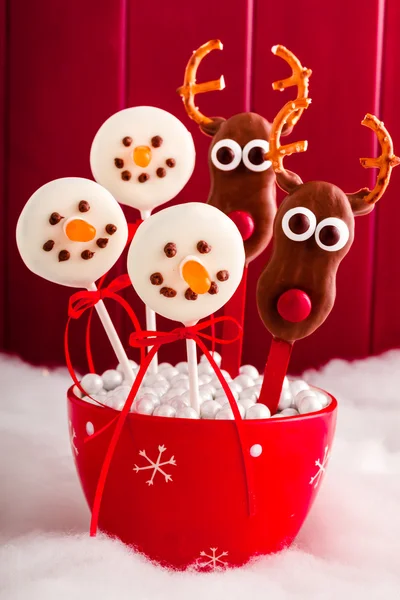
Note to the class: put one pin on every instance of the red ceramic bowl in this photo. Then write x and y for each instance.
(176, 489)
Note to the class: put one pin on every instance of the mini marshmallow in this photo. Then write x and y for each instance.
(152, 378)
(111, 379)
(164, 410)
(289, 412)
(249, 370)
(144, 406)
(179, 402)
(169, 373)
(221, 397)
(247, 402)
(245, 381)
(186, 412)
(163, 366)
(249, 394)
(205, 378)
(92, 383)
(286, 399)
(258, 411)
(182, 367)
(205, 368)
(309, 404)
(209, 409)
(298, 385)
(134, 366)
(216, 356)
(303, 394)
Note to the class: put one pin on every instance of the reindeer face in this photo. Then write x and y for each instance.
(143, 155)
(242, 180)
(313, 231)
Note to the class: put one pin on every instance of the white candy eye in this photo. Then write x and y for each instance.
(299, 224)
(253, 155)
(226, 155)
(332, 234)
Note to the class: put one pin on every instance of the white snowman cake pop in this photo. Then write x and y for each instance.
(72, 231)
(186, 262)
(144, 156)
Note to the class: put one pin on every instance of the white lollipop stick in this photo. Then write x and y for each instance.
(151, 323)
(113, 338)
(193, 375)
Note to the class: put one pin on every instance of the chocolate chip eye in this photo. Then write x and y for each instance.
(203, 247)
(254, 155)
(55, 218)
(332, 234)
(223, 275)
(84, 206)
(299, 224)
(226, 155)
(156, 141)
(127, 141)
(111, 229)
(170, 249)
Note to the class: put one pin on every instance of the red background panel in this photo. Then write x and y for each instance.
(66, 75)
(68, 66)
(3, 113)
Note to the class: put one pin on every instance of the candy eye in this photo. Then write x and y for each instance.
(332, 234)
(299, 224)
(253, 155)
(226, 155)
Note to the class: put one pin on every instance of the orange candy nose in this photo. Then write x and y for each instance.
(142, 156)
(196, 276)
(79, 230)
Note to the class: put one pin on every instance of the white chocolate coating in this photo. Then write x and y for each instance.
(34, 230)
(141, 124)
(185, 225)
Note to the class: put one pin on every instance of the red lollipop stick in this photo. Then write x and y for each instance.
(275, 373)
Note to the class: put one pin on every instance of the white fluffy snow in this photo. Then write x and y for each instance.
(348, 548)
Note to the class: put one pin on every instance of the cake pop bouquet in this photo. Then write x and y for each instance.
(190, 464)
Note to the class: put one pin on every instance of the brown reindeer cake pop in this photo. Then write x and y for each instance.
(313, 232)
(242, 180)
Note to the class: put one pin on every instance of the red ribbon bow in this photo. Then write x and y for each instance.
(155, 339)
(81, 301)
(84, 300)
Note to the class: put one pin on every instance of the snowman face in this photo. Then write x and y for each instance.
(186, 261)
(143, 155)
(71, 231)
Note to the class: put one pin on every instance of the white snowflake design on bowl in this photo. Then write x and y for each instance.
(321, 468)
(156, 466)
(212, 560)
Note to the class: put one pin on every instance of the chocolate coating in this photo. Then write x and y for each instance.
(242, 189)
(304, 265)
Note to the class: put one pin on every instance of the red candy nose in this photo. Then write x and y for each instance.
(244, 222)
(294, 306)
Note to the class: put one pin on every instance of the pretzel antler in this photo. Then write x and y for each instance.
(276, 152)
(300, 76)
(190, 88)
(364, 200)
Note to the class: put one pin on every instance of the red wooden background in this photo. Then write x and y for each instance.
(66, 66)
